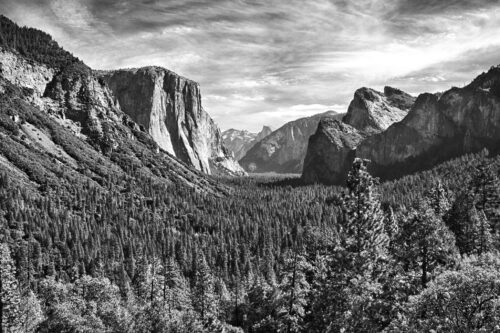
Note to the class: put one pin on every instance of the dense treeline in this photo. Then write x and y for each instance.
(34, 44)
(267, 258)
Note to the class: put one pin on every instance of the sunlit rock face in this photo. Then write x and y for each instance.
(239, 142)
(372, 111)
(169, 108)
(332, 148)
(23, 73)
(439, 127)
(283, 150)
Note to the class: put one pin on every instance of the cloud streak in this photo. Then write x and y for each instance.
(263, 62)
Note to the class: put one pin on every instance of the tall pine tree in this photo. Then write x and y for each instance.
(9, 293)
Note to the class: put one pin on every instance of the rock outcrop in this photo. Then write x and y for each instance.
(239, 142)
(372, 111)
(332, 148)
(169, 108)
(283, 150)
(439, 127)
(331, 151)
(24, 73)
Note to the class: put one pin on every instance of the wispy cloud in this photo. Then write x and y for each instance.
(270, 61)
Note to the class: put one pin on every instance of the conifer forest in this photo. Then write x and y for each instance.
(104, 230)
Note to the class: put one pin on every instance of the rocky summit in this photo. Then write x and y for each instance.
(372, 111)
(283, 150)
(331, 149)
(169, 108)
(239, 142)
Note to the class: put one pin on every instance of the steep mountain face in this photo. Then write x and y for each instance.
(60, 126)
(283, 150)
(265, 131)
(334, 144)
(169, 108)
(439, 127)
(239, 142)
(332, 148)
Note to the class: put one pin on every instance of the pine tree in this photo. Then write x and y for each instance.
(362, 226)
(425, 242)
(483, 242)
(9, 293)
(470, 226)
(485, 186)
(437, 199)
(459, 221)
(262, 306)
(175, 289)
(391, 228)
(31, 312)
(294, 289)
(344, 299)
(203, 296)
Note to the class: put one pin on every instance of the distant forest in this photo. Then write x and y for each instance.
(123, 251)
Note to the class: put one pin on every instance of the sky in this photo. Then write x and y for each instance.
(266, 62)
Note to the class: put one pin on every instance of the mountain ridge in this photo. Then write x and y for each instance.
(283, 150)
(239, 142)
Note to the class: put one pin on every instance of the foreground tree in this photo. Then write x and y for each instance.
(425, 243)
(294, 293)
(465, 300)
(348, 294)
(362, 227)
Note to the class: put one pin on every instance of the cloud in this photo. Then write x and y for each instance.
(261, 61)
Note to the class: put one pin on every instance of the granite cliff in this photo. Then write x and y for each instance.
(331, 149)
(372, 111)
(283, 150)
(439, 127)
(169, 108)
(239, 142)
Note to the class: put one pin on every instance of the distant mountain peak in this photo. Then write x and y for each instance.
(284, 149)
(241, 141)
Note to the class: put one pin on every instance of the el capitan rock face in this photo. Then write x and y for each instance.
(239, 142)
(334, 143)
(439, 127)
(332, 148)
(169, 108)
(283, 150)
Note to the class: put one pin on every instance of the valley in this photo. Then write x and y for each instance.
(124, 207)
